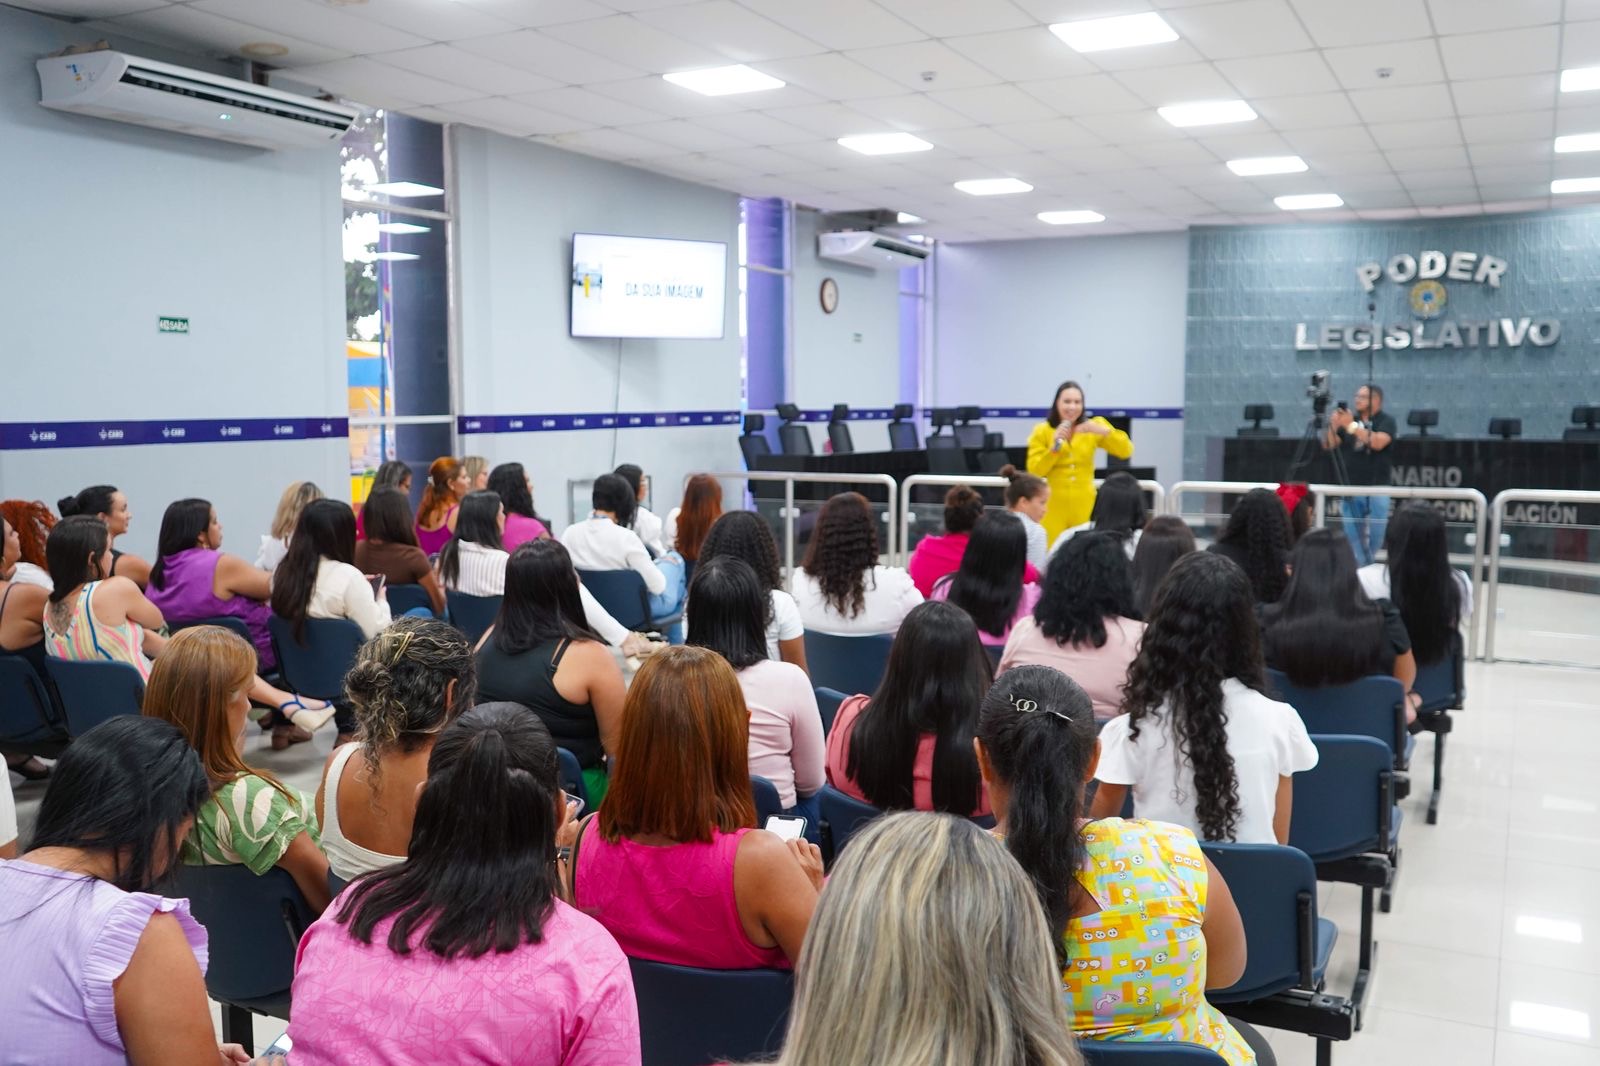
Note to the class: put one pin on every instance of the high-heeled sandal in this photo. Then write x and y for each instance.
(30, 768)
(285, 735)
(310, 718)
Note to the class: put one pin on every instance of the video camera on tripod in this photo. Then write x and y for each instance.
(1321, 391)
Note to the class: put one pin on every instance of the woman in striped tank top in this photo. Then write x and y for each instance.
(91, 615)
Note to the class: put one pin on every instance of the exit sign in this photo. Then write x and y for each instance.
(169, 324)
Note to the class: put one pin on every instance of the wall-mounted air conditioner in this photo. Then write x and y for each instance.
(868, 249)
(129, 89)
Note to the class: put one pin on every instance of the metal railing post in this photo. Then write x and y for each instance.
(788, 528)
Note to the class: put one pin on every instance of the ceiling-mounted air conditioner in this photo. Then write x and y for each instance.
(868, 249)
(126, 88)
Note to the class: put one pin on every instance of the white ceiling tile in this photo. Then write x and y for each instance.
(1574, 166)
(180, 25)
(1443, 157)
(1403, 135)
(827, 154)
(1092, 94)
(312, 21)
(1489, 96)
(1394, 214)
(1490, 55)
(1578, 119)
(1471, 16)
(1049, 11)
(1512, 190)
(952, 18)
(1540, 203)
(838, 24)
(1404, 103)
(701, 168)
(360, 77)
(1453, 178)
(90, 9)
(532, 50)
(1377, 204)
(1290, 74)
(1451, 210)
(1159, 86)
(509, 116)
(591, 107)
(1226, 146)
(735, 31)
(1410, 63)
(684, 136)
(1580, 44)
(610, 144)
(1313, 111)
(451, 64)
(975, 142)
(755, 160)
(677, 102)
(1022, 55)
(531, 14)
(994, 104)
(755, 128)
(908, 63)
(1337, 163)
(1439, 195)
(1244, 28)
(1134, 127)
(1051, 135)
(1526, 172)
(1333, 140)
(1170, 153)
(831, 76)
(1096, 160)
(1374, 182)
(914, 111)
(1504, 153)
(437, 22)
(828, 120)
(1347, 22)
(627, 40)
(1169, 54)
(1518, 126)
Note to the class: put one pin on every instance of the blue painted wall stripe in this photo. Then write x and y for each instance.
(546, 423)
(27, 436)
(883, 414)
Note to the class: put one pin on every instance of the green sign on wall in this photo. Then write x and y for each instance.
(169, 324)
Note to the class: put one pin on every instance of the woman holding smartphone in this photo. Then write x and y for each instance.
(1061, 450)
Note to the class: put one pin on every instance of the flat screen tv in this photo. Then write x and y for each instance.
(647, 287)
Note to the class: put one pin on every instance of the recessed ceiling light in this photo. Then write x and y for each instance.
(1561, 185)
(1310, 201)
(1580, 79)
(264, 50)
(396, 257)
(1207, 112)
(1578, 142)
(906, 218)
(1121, 31)
(919, 238)
(993, 186)
(1069, 218)
(225, 117)
(1267, 164)
(724, 81)
(1544, 1018)
(1568, 932)
(404, 190)
(401, 227)
(884, 143)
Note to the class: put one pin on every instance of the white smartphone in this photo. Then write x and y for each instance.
(786, 827)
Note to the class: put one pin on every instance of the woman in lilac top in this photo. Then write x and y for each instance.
(99, 971)
(464, 953)
(515, 489)
(991, 583)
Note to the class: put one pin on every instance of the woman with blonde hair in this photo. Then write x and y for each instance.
(201, 685)
(275, 544)
(441, 496)
(906, 933)
(477, 470)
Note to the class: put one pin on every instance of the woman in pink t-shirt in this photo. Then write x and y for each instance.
(990, 583)
(515, 489)
(939, 554)
(464, 953)
(909, 746)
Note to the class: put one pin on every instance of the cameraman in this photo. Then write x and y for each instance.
(1364, 438)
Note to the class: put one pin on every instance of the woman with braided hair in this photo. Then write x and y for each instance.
(841, 588)
(407, 684)
(1257, 537)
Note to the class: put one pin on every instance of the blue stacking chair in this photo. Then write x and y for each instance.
(1146, 1053)
(847, 664)
(92, 692)
(403, 598)
(1443, 687)
(571, 774)
(765, 793)
(1275, 888)
(254, 924)
(316, 666)
(828, 701)
(336, 884)
(1346, 820)
(473, 615)
(694, 1017)
(234, 625)
(842, 817)
(623, 594)
(1371, 707)
(29, 721)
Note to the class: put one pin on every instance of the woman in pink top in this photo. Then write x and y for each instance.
(940, 553)
(511, 483)
(464, 953)
(910, 745)
(990, 583)
(1083, 624)
(673, 865)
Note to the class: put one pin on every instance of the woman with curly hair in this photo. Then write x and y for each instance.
(841, 588)
(1257, 538)
(1201, 745)
(32, 523)
(745, 535)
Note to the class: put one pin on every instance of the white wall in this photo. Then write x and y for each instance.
(109, 226)
(1013, 319)
(519, 204)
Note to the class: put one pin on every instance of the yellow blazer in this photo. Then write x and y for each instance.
(1070, 471)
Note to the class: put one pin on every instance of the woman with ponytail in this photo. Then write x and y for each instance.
(447, 485)
(1120, 897)
(1200, 744)
(464, 952)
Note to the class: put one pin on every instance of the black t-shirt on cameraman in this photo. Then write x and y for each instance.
(1365, 466)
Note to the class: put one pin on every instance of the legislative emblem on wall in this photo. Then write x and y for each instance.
(1428, 299)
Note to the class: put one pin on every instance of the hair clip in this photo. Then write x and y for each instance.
(400, 648)
(1027, 706)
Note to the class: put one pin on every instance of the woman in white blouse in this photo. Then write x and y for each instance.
(473, 561)
(841, 588)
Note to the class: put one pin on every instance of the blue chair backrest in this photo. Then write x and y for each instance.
(828, 700)
(794, 439)
(92, 692)
(621, 593)
(27, 713)
(839, 438)
(336, 884)
(903, 437)
(753, 446)
(1442, 684)
(1146, 1053)
(693, 1017)
(473, 615)
(316, 668)
(229, 622)
(1371, 707)
(971, 434)
(847, 664)
(571, 774)
(843, 815)
(403, 598)
(1267, 882)
(254, 924)
(1341, 805)
(765, 794)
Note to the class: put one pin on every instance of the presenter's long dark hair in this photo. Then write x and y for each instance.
(988, 583)
(1324, 630)
(1421, 584)
(1054, 417)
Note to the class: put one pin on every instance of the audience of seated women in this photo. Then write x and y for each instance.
(786, 742)
(673, 865)
(1167, 538)
(100, 972)
(909, 745)
(989, 583)
(390, 548)
(541, 653)
(406, 685)
(512, 484)
(91, 616)
(441, 496)
(687, 524)
(605, 541)
(32, 523)
(1433, 598)
(1324, 630)
(646, 523)
(1256, 536)
(108, 504)
(1084, 623)
(275, 542)
(1028, 497)
(1114, 892)
(464, 952)
(745, 535)
(1119, 508)
(1201, 745)
(201, 684)
(928, 905)
(939, 554)
(391, 474)
(841, 588)
(473, 561)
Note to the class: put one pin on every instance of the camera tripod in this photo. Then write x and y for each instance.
(1311, 444)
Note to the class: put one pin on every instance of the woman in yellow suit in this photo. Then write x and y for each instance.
(1061, 450)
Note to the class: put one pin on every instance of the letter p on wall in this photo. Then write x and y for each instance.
(1368, 274)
